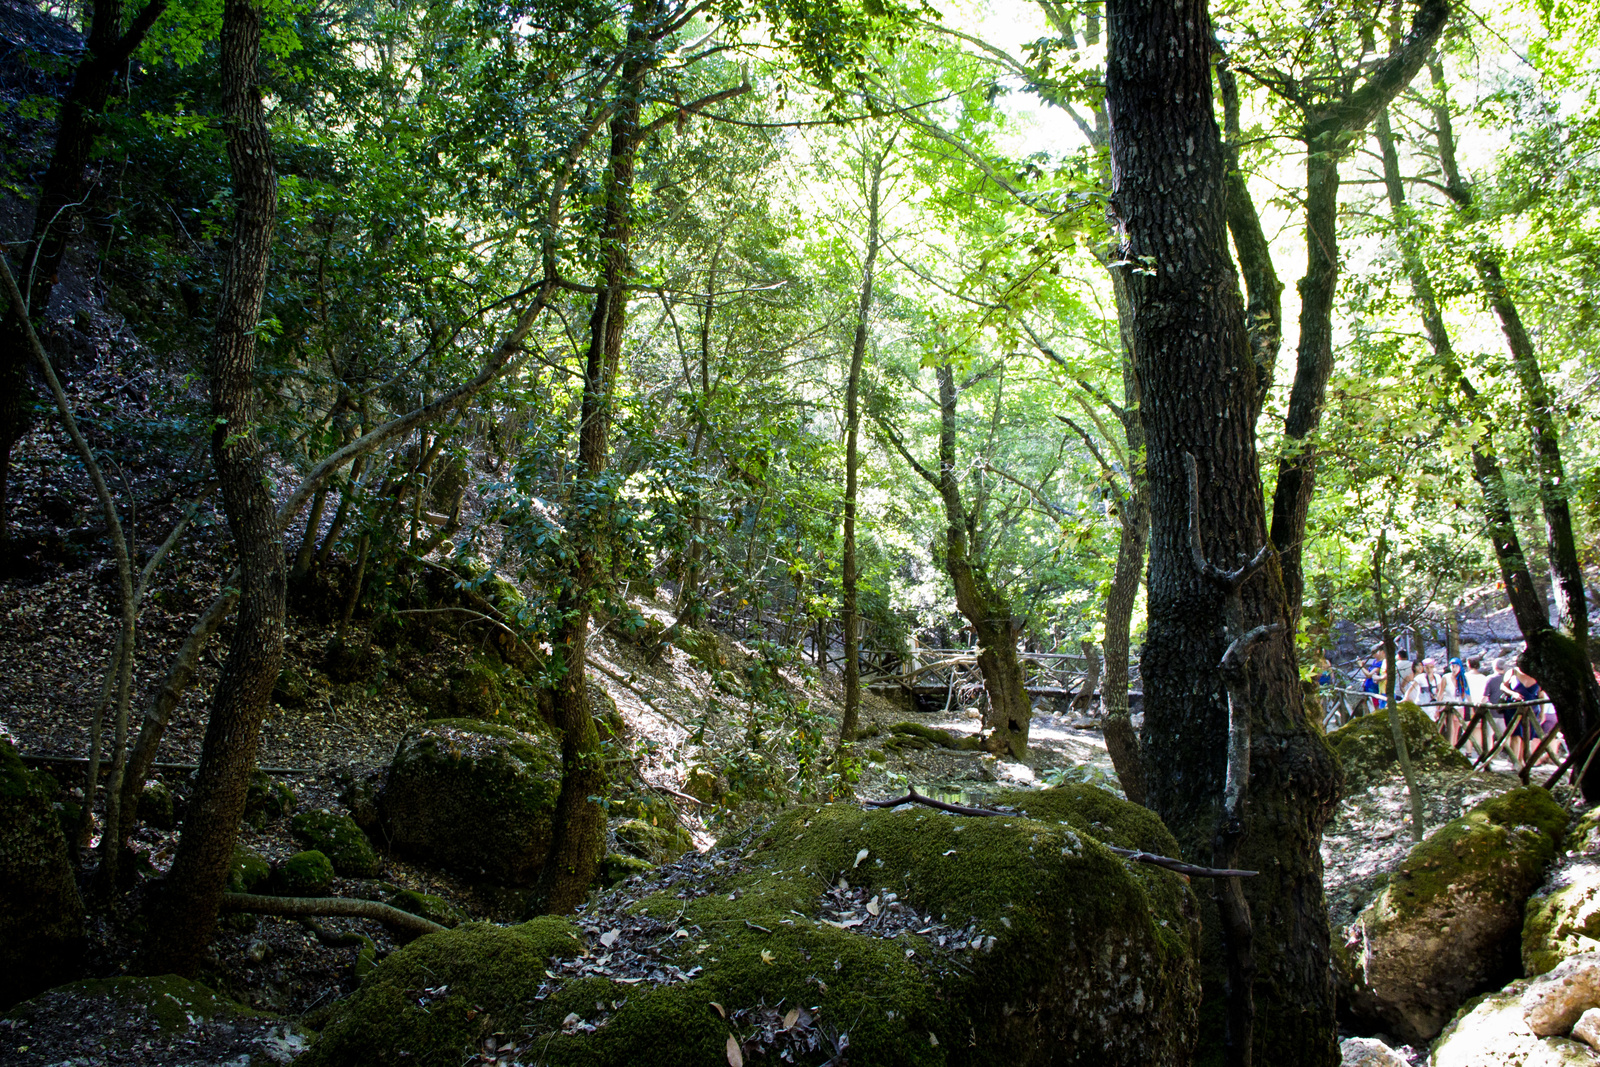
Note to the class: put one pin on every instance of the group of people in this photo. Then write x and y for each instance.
(1466, 683)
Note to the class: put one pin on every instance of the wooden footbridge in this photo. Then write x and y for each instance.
(950, 676)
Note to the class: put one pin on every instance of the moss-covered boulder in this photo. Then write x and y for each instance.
(904, 735)
(1447, 924)
(904, 937)
(1366, 747)
(158, 806)
(474, 797)
(618, 867)
(304, 874)
(266, 799)
(41, 915)
(1563, 918)
(340, 839)
(428, 906)
(656, 841)
(247, 871)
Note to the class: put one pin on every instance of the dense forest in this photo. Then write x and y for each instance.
(808, 531)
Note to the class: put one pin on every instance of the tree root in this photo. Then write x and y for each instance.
(300, 906)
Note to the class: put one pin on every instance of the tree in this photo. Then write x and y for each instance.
(193, 890)
(1199, 400)
(875, 163)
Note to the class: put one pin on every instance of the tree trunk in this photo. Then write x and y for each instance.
(580, 824)
(1091, 677)
(984, 606)
(192, 892)
(850, 614)
(1122, 743)
(1199, 387)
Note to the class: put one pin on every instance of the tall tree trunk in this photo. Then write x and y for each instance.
(192, 892)
(580, 825)
(850, 615)
(1199, 386)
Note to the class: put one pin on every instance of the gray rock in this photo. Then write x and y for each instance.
(1555, 1000)
(1369, 1052)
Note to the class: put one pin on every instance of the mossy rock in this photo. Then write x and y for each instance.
(905, 732)
(267, 799)
(340, 839)
(436, 909)
(1447, 924)
(618, 867)
(359, 791)
(291, 689)
(474, 797)
(41, 914)
(157, 806)
(434, 1000)
(304, 874)
(656, 842)
(1365, 747)
(247, 871)
(705, 785)
(1563, 918)
(875, 755)
(1084, 957)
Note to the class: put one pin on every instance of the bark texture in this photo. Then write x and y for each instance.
(192, 892)
(1199, 389)
(580, 825)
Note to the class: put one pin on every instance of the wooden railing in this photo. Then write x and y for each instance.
(1479, 731)
(954, 671)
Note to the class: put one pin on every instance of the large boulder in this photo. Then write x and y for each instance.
(1365, 746)
(901, 937)
(41, 914)
(474, 797)
(1563, 917)
(1447, 924)
(1556, 1000)
(1490, 1031)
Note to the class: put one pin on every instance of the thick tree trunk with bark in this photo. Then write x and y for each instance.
(1199, 388)
(192, 892)
(580, 824)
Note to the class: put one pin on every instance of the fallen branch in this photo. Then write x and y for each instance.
(1136, 855)
(345, 906)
